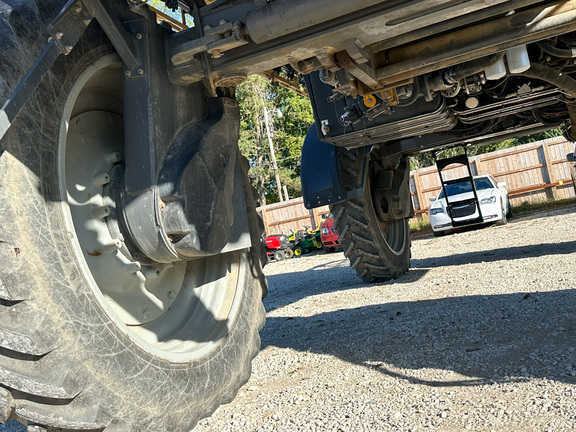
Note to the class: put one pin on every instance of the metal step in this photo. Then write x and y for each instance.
(459, 208)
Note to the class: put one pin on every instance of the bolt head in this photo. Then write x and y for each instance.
(59, 35)
(139, 36)
(140, 71)
(128, 73)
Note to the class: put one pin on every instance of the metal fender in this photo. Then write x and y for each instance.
(319, 172)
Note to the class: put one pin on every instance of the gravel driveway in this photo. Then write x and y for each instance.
(479, 335)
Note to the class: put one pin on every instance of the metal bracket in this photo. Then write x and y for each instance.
(76, 15)
(67, 28)
(124, 42)
(216, 40)
(363, 72)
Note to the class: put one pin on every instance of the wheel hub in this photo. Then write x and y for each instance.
(177, 310)
(97, 176)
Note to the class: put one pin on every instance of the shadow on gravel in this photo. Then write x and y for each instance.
(486, 339)
(336, 275)
(509, 253)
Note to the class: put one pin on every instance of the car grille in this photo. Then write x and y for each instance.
(463, 210)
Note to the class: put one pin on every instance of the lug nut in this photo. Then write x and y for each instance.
(113, 247)
(150, 273)
(102, 179)
(101, 212)
(113, 157)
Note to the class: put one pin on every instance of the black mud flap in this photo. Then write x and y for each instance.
(320, 175)
(460, 207)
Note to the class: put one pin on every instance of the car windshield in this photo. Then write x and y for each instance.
(465, 186)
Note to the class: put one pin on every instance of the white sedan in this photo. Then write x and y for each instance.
(493, 198)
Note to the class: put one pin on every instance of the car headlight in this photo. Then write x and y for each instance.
(325, 231)
(434, 211)
(490, 200)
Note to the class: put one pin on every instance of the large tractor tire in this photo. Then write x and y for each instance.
(377, 250)
(89, 339)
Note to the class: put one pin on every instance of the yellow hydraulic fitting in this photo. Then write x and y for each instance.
(369, 101)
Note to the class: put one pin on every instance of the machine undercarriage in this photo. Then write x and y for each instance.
(130, 298)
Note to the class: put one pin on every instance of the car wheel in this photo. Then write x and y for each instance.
(509, 212)
(504, 219)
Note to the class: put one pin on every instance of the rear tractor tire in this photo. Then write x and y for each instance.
(90, 338)
(377, 250)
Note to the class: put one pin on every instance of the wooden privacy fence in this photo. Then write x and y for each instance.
(532, 172)
(289, 216)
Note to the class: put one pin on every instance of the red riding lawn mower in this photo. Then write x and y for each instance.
(278, 248)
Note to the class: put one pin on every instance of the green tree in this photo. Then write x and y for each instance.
(287, 129)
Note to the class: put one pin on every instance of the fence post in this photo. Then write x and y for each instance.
(314, 218)
(550, 192)
(419, 194)
(265, 220)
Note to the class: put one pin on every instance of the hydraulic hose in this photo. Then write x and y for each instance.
(563, 82)
(461, 71)
(555, 51)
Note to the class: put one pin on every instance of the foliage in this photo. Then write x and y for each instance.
(176, 14)
(529, 207)
(419, 224)
(290, 116)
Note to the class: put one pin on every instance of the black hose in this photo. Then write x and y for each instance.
(564, 82)
(415, 95)
(555, 51)
(545, 73)
(464, 70)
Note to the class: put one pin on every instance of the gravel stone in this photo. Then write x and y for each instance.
(478, 335)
